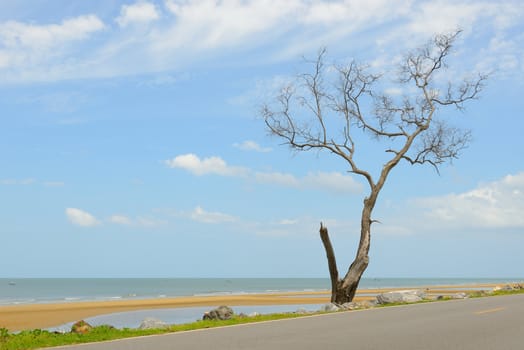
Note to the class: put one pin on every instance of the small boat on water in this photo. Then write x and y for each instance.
(11, 283)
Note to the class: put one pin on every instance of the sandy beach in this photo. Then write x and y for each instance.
(32, 316)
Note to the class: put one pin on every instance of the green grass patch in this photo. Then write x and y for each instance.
(35, 339)
(508, 292)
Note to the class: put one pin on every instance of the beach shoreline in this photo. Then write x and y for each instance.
(40, 316)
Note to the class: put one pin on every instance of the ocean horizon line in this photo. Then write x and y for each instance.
(16, 291)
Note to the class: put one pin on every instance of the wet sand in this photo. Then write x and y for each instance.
(32, 316)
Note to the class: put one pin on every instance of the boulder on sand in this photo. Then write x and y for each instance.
(81, 327)
(459, 296)
(152, 323)
(401, 296)
(220, 313)
(331, 307)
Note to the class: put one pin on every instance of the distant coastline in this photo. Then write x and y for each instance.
(21, 291)
(127, 312)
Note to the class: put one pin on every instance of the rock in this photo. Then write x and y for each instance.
(152, 323)
(351, 306)
(459, 296)
(331, 307)
(506, 288)
(81, 327)
(220, 313)
(401, 296)
(479, 293)
(301, 311)
(366, 304)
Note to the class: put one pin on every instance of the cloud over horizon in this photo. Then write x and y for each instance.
(249, 145)
(207, 217)
(334, 182)
(497, 204)
(140, 12)
(209, 165)
(80, 217)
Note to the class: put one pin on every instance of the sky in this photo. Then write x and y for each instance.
(131, 141)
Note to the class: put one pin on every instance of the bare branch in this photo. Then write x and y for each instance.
(323, 108)
(469, 89)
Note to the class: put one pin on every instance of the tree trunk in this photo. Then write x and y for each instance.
(344, 290)
(332, 264)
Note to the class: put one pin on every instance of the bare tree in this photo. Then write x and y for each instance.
(333, 106)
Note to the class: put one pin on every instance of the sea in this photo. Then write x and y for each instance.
(15, 291)
(19, 291)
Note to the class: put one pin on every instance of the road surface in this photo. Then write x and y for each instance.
(471, 324)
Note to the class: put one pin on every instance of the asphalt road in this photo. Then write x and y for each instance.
(476, 324)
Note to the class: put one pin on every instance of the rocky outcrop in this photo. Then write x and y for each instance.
(401, 296)
(506, 288)
(81, 327)
(509, 287)
(459, 296)
(152, 323)
(302, 311)
(220, 313)
(331, 307)
(365, 304)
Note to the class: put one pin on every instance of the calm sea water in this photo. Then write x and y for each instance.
(51, 290)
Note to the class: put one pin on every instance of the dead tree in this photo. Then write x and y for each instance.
(332, 107)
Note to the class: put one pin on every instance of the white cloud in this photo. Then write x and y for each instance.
(182, 33)
(10, 182)
(141, 12)
(208, 24)
(498, 204)
(200, 215)
(41, 52)
(139, 221)
(120, 220)
(437, 16)
(332, 181)
(287, 222)
(504, 55)
(394, 91)
(29, 181)
(210, 165)
(252, 146)
(80, 217)
(14, 35)
(356, 12)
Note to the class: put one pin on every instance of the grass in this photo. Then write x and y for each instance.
(36, 339)
(497, 293)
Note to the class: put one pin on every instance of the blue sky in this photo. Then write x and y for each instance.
(131, 145)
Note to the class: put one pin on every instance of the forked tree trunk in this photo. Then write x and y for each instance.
(344, 290)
